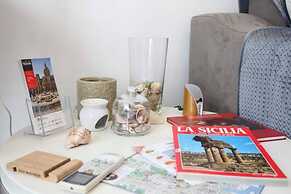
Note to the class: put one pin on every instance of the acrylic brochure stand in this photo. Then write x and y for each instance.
(49, 116)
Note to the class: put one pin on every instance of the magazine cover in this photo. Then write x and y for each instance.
(44, 97)
(261, 132)
(226, 153)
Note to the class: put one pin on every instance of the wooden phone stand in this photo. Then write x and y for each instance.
(47, 166)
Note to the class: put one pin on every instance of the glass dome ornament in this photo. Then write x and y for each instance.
(131, 112)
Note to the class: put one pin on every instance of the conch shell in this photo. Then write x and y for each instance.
(77, 137)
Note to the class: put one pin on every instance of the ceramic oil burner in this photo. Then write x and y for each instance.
(94, 114)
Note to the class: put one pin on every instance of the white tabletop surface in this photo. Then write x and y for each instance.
(105, 141)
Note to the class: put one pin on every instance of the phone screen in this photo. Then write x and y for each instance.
(79, 178)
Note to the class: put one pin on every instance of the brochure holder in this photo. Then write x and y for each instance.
(49, 116)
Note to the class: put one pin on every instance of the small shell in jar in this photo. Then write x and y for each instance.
(140, 88)
(141, 114)
(155, 88)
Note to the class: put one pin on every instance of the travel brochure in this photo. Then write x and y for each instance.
(223, 153)
(142, 176)
(46, 112)
(261, 132)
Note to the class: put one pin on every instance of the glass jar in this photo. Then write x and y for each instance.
(130, 114)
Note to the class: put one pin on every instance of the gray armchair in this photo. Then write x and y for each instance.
(264, 79)
(215, 51)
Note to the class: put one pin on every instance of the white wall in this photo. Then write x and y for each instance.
(89, 37)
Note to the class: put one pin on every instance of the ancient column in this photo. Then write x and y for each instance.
(223, 155)
(216, 155)
(237, 156)
(209, 154)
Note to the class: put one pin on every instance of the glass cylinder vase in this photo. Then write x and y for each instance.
(147, 58)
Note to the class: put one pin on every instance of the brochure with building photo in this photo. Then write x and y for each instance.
(45, 104)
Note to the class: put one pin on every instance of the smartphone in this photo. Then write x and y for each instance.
(92, 173)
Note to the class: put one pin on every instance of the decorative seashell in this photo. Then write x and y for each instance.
(77, 137)
(141, 114)
(139, 106)
(131, 130)
(133, 125)
(155, 88)
(145, 92)
(140, 88)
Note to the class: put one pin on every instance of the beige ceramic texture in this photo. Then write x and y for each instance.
(97, 87)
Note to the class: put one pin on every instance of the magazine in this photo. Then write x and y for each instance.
(261, 132)
(223, 153)
(141, 176)
(45, 105)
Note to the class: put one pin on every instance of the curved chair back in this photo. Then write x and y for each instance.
(5, 123)
(265, 78)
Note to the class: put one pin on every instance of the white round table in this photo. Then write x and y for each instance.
(105, 141)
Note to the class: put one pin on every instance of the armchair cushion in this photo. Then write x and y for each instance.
(215, 47)
(265, 81)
